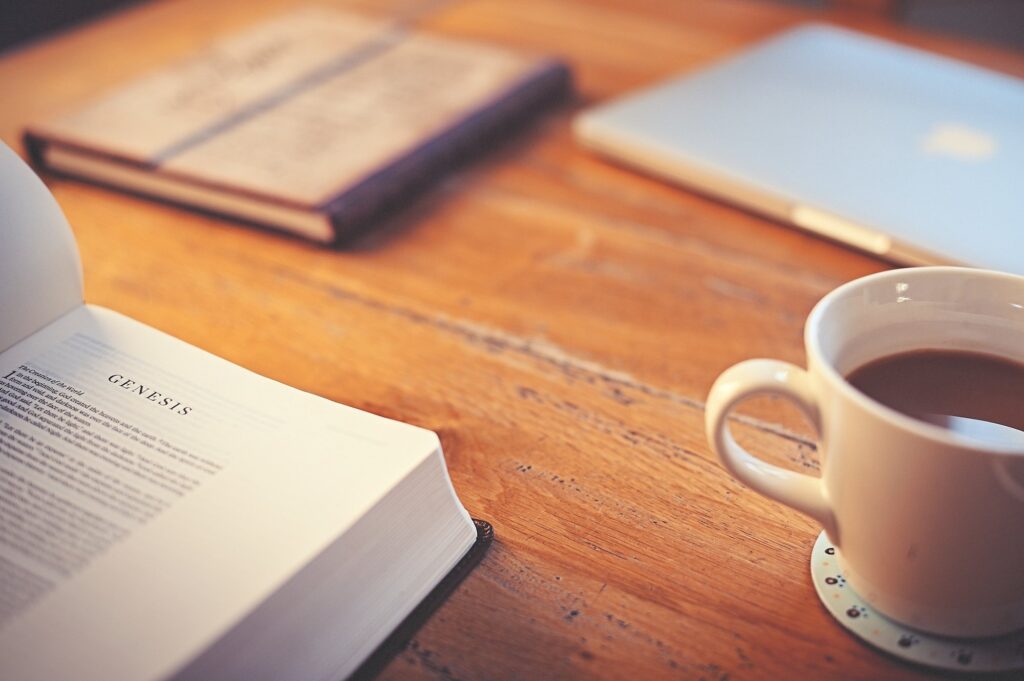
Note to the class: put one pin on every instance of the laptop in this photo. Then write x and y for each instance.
(904, 154)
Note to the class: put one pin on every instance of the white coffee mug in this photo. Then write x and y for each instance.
(929, 523)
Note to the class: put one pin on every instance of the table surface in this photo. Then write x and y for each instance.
(557, 320)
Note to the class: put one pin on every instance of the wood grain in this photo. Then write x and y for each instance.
(558, 320)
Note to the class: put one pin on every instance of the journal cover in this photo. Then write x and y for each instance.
(314, 122)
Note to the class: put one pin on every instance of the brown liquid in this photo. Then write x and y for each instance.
(981, 396)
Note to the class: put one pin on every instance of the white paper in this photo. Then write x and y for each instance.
(255, 460)
(40, 273)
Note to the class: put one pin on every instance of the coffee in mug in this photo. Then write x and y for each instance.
(971, 393)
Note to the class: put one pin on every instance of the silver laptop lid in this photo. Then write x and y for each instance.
(891, 149)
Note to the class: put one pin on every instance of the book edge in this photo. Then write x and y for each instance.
(358, 202)
(398, 639)
(404, 178)
(39, 147)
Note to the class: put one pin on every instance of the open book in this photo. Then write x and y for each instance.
(314, 122)
(165, 514)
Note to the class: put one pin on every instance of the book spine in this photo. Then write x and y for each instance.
(34, 145)
(395, 186)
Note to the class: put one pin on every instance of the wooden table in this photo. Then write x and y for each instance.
(558, 320)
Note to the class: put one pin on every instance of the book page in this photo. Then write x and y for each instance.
(40, 273)
(153, 494)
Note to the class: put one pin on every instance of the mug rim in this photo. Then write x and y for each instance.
(892, 416)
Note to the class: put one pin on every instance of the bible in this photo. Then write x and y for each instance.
(315, 122)
(165, 514)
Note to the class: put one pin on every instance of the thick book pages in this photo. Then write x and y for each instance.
(169, 515)
(402, 634)
(313, 122)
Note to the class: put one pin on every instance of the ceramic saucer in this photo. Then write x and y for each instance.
(856, 615)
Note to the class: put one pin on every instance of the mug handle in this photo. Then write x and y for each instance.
(805, 493)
